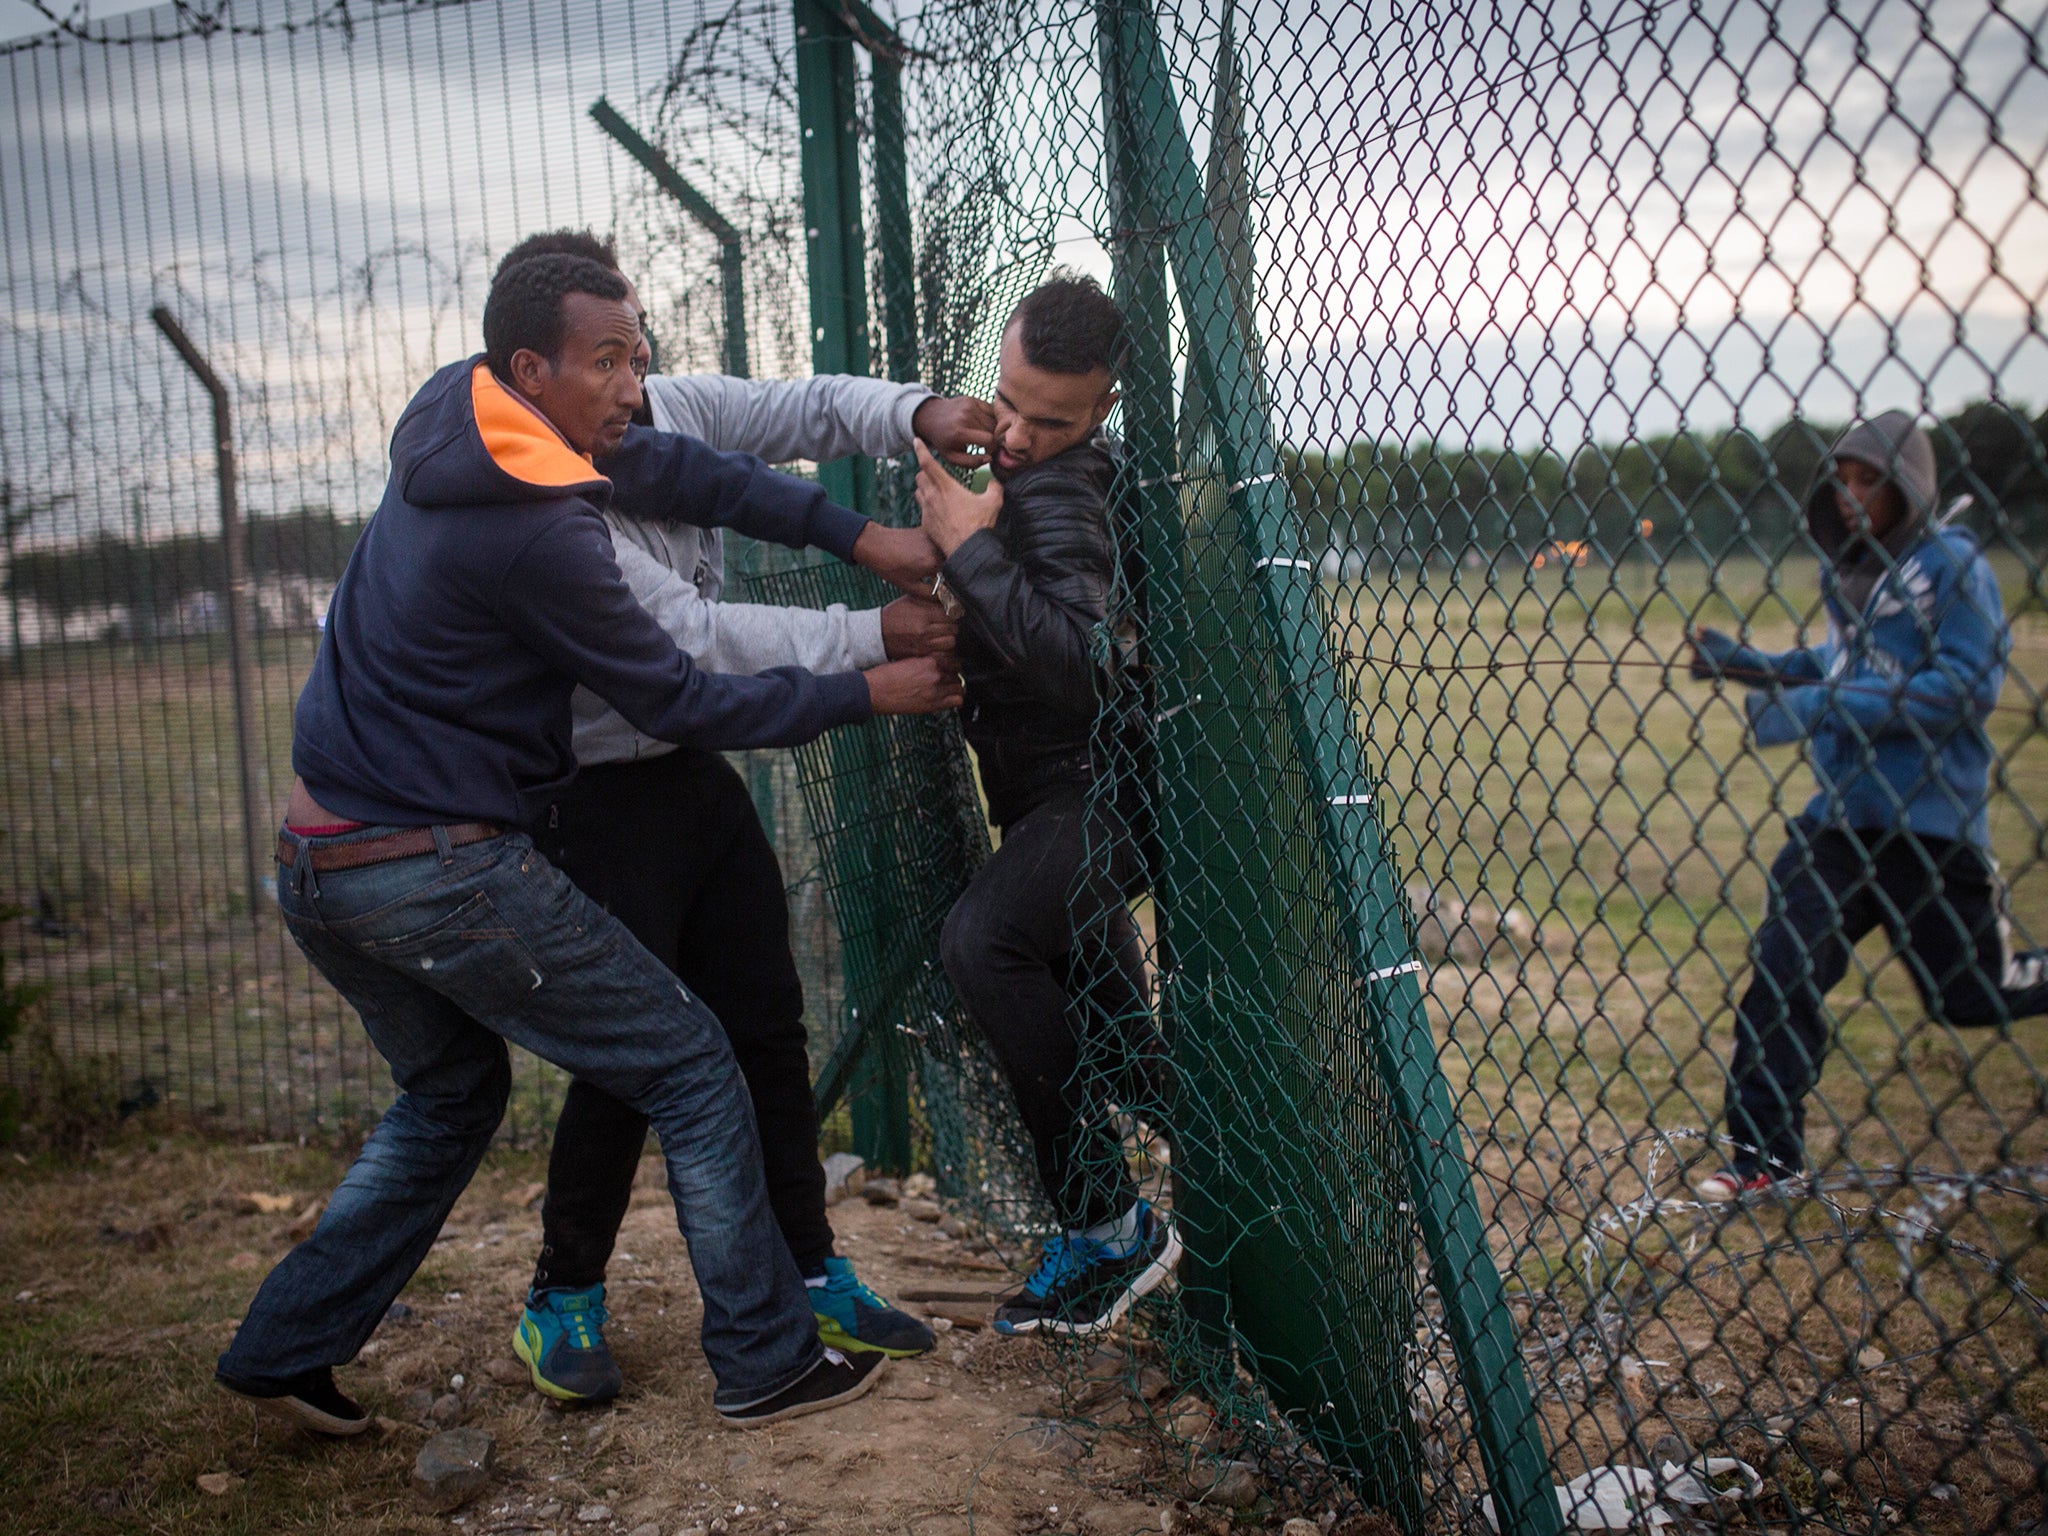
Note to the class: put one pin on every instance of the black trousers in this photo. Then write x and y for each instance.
(672, 847)
(1942, 904)
(1050, 963)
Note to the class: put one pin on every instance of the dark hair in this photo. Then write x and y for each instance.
(525, 306)
(561, 242)
(1069, 325)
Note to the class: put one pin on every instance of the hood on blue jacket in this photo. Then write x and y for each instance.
(1893, 446)
(466, 440)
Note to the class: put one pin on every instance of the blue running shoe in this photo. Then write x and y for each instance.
(852, 1318)
(1082, 1286)
(561, 1339)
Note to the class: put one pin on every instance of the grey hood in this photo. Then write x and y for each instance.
(1898, 450)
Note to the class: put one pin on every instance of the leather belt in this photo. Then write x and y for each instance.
(409, 844)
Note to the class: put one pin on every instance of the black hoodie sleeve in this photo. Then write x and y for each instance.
(671, 478)
(563, 596)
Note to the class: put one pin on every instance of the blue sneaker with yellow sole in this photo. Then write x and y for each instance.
(1083, 1286)
(561, 1339)
(853, 1319)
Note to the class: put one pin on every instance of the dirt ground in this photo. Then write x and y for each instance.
(129, 1268)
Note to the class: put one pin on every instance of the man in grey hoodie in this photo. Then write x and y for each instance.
(1892, 709)
(669, 842)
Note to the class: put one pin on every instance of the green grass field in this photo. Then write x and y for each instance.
(1621, 807)
(1535, 755)
(1561, 770)
(1616, 804)
(120, 804)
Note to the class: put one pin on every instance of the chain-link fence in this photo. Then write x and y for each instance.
(1481, 356)
(316, 196)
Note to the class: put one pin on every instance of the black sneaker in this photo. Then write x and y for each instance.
(1080, 1287)
(833, 1380)
(309, 1400)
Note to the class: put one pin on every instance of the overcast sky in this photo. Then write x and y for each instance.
(1588, 217)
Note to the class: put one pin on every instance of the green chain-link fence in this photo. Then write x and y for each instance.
(1480, 355)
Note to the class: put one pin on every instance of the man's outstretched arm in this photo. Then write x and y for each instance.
(1954, 689)
(750, 637)
(1720, 657)
(668, 477)
(820, 418)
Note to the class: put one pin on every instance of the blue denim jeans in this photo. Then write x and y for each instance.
(447, 957)
(1943, 906)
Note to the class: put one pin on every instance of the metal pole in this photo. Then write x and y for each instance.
(892, 219)
(731, 250)
(731, 280)
(834, 239)
(9, 522)
(1353, 845)
(836, 249)
(237, 598)
(146, 622)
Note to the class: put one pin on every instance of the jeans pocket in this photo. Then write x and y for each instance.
(470, 955)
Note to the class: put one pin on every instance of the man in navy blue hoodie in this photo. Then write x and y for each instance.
(435, 718)
(1892, 709)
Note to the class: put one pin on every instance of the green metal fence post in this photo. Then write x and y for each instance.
(893, 241)
(836, 247)
(892, 220)
(835, 244)
(1242, 1024)
(1476, 1315)
(1138, 281)
(731, 250)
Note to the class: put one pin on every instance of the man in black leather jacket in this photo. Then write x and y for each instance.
(1041, 947)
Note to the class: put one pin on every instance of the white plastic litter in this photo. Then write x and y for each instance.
(1693, 1484)
(1625, 1498)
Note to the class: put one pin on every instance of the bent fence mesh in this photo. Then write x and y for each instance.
(1480, 354)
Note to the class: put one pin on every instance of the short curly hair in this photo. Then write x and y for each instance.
(562, 242)
(1069, 325)
(524, 309)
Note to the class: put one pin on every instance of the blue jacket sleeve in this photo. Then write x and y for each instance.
(563, 597)
(1954, 686)
(1717, 655)
(1801, 664)
(1777, 718)
(670, 478)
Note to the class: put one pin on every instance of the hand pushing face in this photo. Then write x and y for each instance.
(590, 391)
(1040, 413)
(958, 429)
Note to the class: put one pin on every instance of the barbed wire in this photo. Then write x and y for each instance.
(201, 21)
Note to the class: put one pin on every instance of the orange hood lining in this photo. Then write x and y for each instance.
(520, 440)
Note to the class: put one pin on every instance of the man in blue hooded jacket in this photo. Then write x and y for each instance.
(437, 717)
(1892, 709)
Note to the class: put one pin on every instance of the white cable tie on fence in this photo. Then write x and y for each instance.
(1394, 970)
(1265, 560)
(1364, 799)
(1252, 480)
(1176, 478)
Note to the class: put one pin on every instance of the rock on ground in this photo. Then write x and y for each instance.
(453, 1467)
